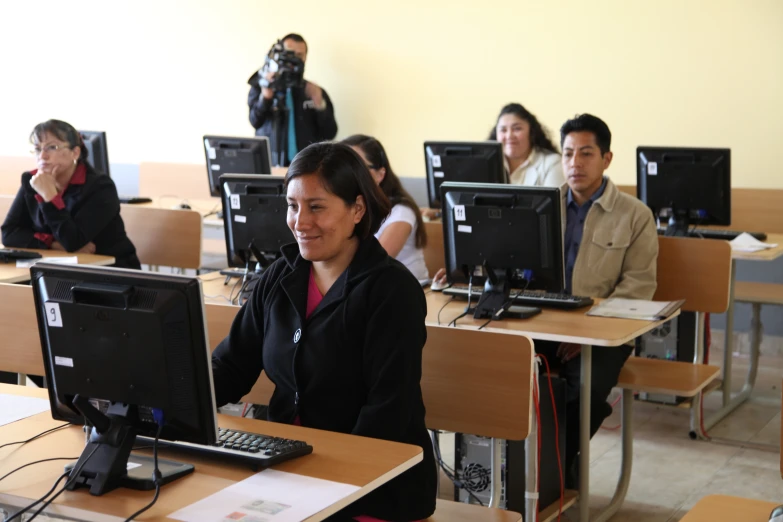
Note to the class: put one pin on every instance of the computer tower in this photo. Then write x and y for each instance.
(472, 458)
(674, 340)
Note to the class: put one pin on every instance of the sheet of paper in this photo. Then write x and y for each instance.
(15, 407)
(268, 496)
(629, 308)
(747, 243)
(64, 260)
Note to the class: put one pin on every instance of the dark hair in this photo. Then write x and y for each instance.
(62, 131)
(391, 186)
(345, 175)
(539, 137)
(295, 37)
(588, 123)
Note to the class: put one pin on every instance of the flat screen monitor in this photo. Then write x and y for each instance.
(228, 155)
(686, 186)
(254, 218)
(97, 150)
(503, 236)
(126, 352)
(461, 161)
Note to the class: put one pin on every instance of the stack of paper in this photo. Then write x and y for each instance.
(636, 309)
(17, 407)
(747, 243)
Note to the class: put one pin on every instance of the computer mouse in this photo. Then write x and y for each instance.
(776, 515)
(182, 206)
(439, 287)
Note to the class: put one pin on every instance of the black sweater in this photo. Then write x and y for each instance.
(353, 367)
(87, 211)
(311, 125)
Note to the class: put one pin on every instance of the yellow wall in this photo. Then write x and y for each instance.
(158, 75)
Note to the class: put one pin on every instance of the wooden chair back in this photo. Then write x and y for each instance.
(5, 206)
(434, 256)
(165, 237)
(11, 169)
(697, 270)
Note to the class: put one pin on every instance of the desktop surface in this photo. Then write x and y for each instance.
(10, 274)
(722, 508)
(570, 326)
(348, 459)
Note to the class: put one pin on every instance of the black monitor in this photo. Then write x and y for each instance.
(97, 150)
(685, 185)
(462, 161)
(227, 155)
(254, 218)
(123, 351)
(504, 237)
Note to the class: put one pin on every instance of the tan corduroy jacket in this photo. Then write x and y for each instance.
(618, 255)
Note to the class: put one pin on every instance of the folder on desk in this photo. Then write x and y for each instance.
(636, 309)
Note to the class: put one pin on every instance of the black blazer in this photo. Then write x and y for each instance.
(90, 212)
(353, 367)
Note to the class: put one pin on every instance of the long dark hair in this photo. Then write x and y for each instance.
(62, 131)
(391, 186)
(539, 138)
(345, 175)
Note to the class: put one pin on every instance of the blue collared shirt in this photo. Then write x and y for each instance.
(575, 224)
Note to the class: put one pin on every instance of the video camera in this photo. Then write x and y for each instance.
(288, 67)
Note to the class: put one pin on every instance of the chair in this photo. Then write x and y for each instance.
(164, 237)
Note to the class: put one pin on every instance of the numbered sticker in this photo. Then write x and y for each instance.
(234, 201)
(53, 317)
(652, 168)
(240, 219)
(436, 161)
(438, 174)
(459, 213)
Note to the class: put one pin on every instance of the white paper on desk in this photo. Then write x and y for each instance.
(15, 407)
(635, 309)
(64, 260)
(747, 243)
(268, 496)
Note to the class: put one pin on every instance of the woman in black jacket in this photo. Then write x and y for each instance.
(338, 326)
(65, 204)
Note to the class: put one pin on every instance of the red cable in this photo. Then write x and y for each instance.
(244, 409)
(557, 436)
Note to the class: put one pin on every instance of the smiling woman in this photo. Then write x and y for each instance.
(65, 204)
(338, 327)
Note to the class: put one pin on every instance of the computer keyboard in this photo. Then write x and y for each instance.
(526, 297)
(260, 450)
(9, 254)
(134, 200)
(716, 233)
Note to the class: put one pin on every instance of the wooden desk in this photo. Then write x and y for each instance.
(566, 327)
(10, 274)
(360, 461)
(721, 508)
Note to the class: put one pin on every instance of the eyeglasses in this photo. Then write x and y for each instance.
(37, 151)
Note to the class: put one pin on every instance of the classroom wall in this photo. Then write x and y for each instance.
(158, 75)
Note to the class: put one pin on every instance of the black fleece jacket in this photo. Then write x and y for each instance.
(88, 210)
(353, 367)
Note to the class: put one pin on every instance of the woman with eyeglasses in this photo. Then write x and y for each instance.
(65, 204)
(402, 233)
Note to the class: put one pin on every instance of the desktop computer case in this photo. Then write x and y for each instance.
(672, 341)
(472, 454)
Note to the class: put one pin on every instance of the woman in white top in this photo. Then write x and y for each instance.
(530, 157)
(402, 234)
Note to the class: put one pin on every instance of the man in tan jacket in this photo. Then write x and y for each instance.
(610, 250)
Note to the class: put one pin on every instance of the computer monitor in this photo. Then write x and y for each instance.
(254, 218)
(125, 350)
(97, 150)
(504, 237)
(462, 161)
(227, 155)
(685, 185)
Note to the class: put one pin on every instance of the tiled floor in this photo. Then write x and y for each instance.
(671, 472)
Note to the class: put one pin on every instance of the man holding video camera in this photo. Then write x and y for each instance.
(290, 111)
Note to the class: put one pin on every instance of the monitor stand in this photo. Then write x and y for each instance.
(106, 462)
(495, 302)
(679, 222)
